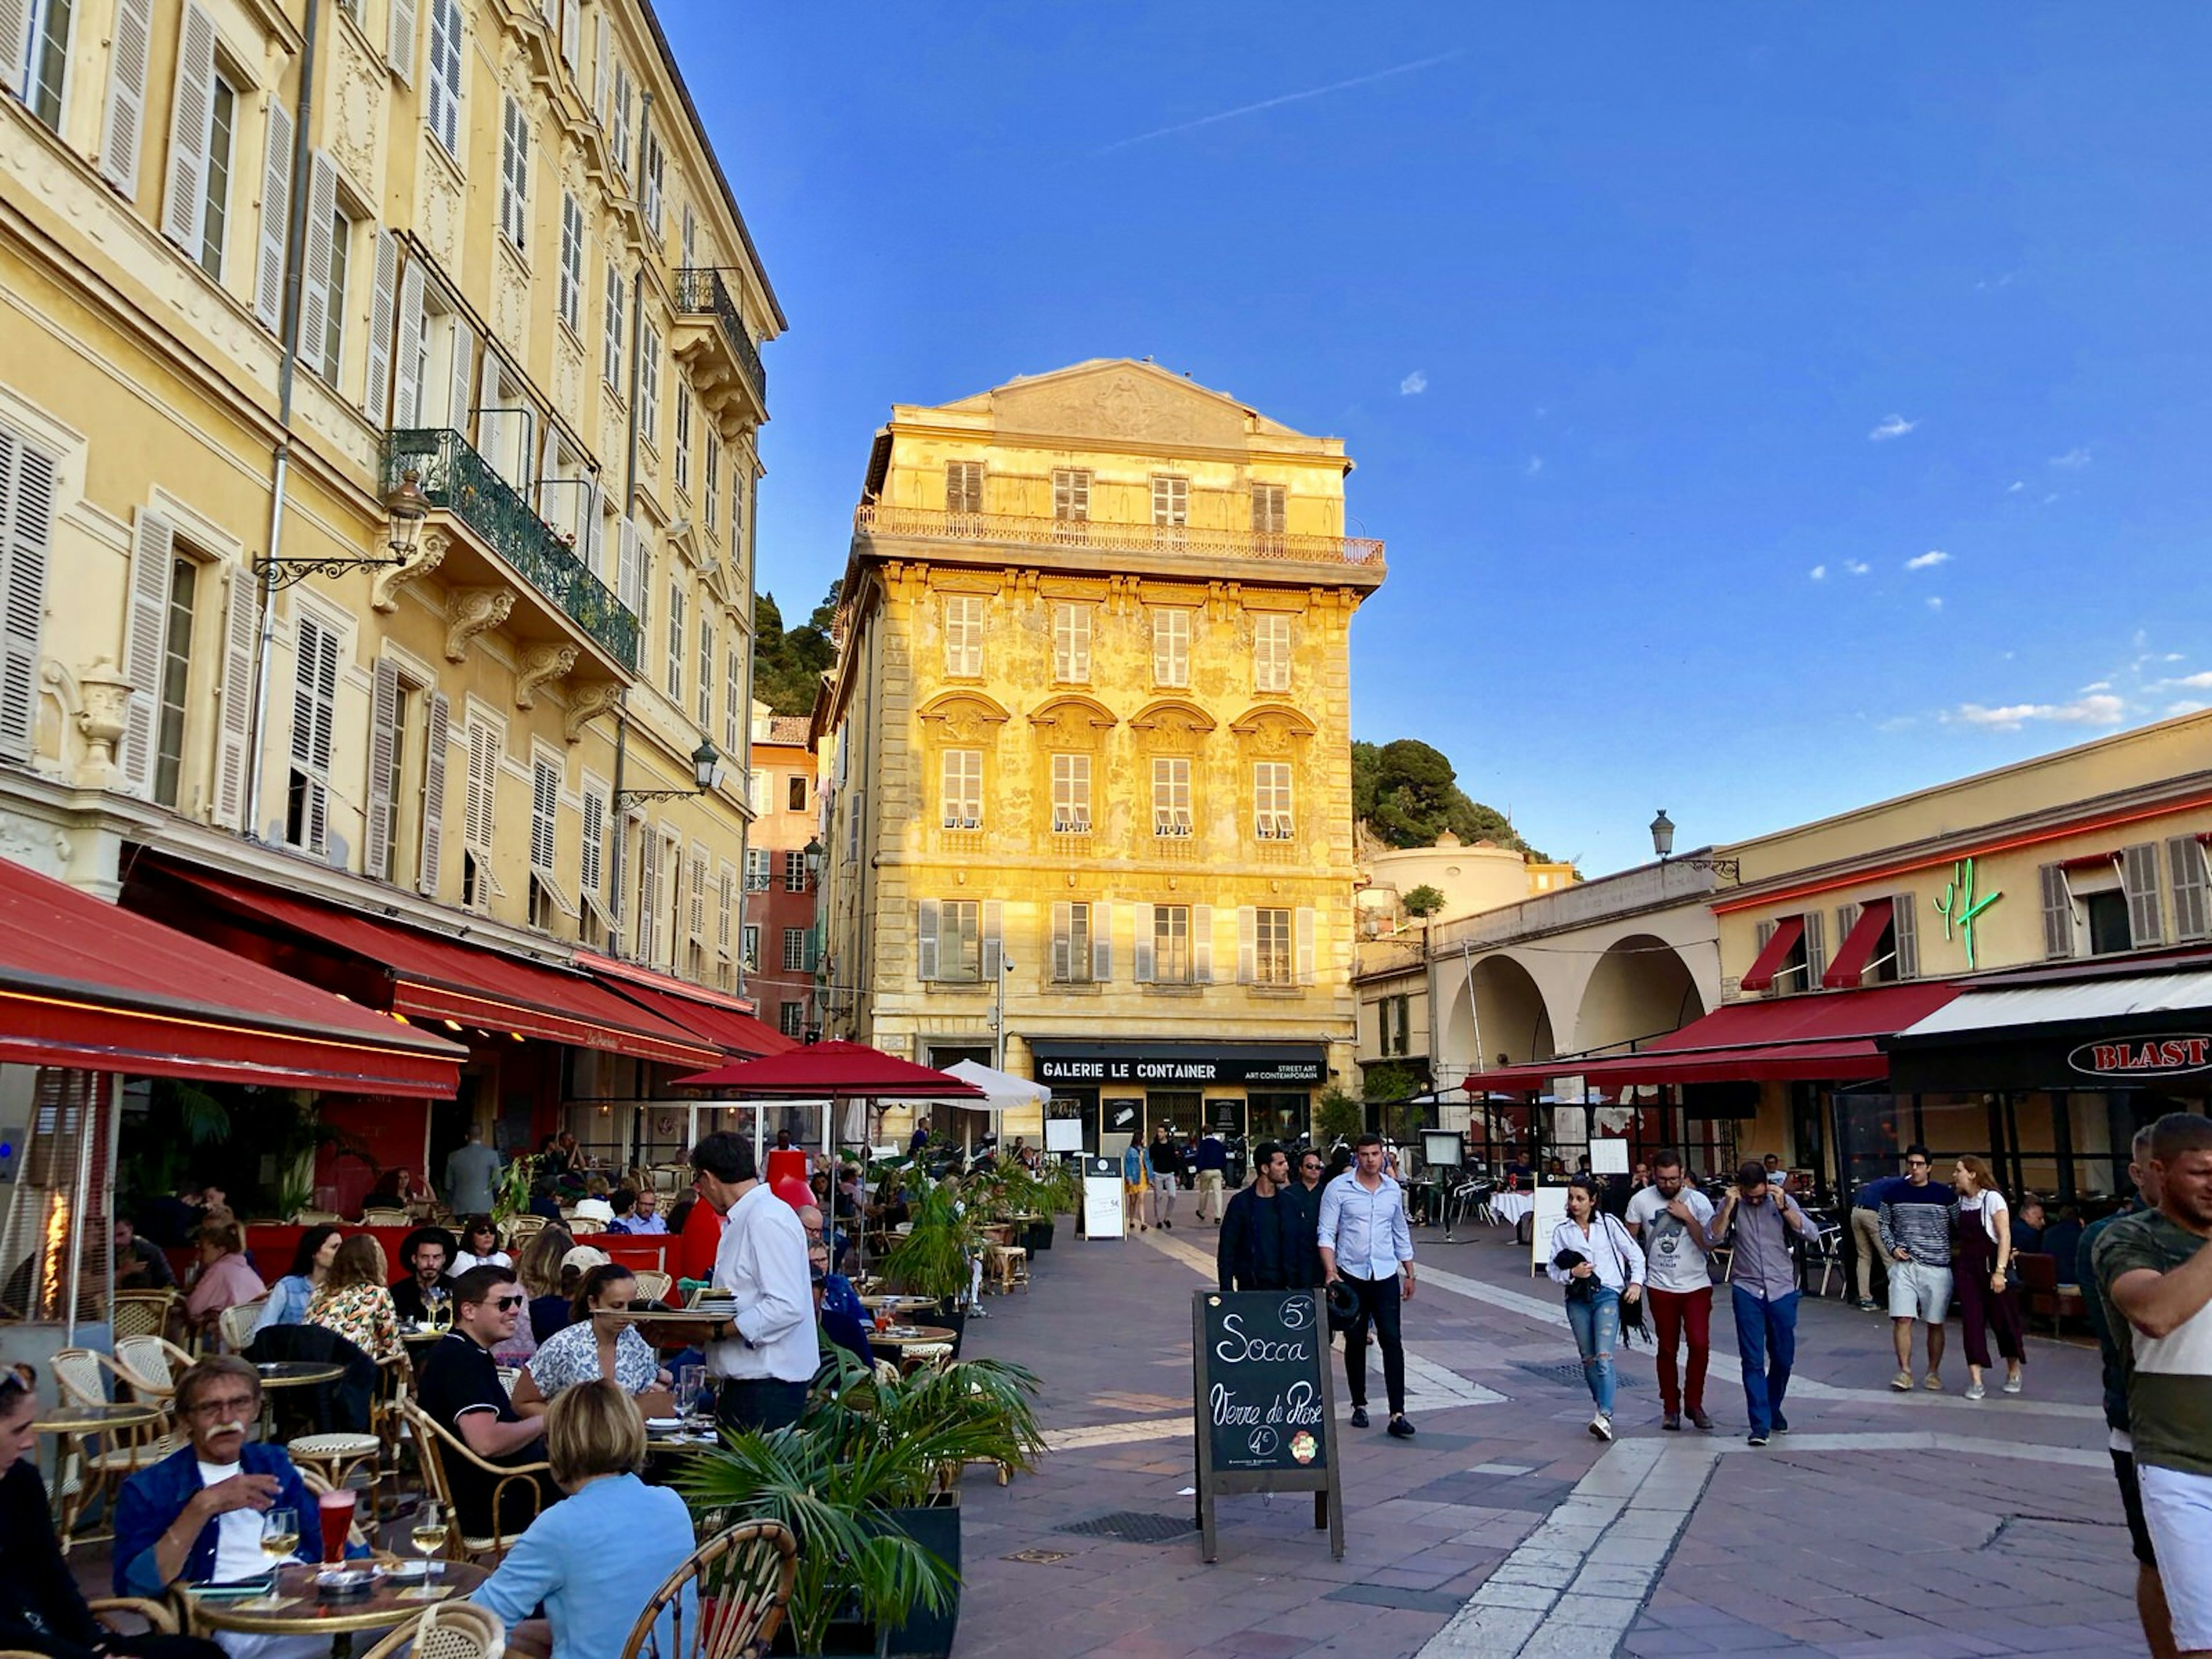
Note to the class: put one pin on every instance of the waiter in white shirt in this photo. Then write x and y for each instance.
(765, 1355)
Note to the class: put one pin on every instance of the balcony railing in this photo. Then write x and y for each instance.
(927, 524)
(699, 288)
(461, 481)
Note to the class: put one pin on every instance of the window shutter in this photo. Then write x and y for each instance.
(924, 935)
(383, 300)
(1142, 941)
(1302, 922)
(600, 64)
(465, 360)
(27, 516)
(314, 695)
(2139, 876)
(593, 546)
(1101, 943)
(383, 742)
(648, 896)
(1201, 944)
(276, 217)
(434, 791)
(2185, 861)
(1816, 950)
(1248, 944)
(315, 277)
(153, 549)
(594, 842)
(190, 112)
(545, 812)
(15, 45)
(1905, 934)
(1062, 916)
(995, 950)
(407, 375)
(1847, 916)
(2057, 912)
(241, 631)
(399, 39)
(129, 58)
(1762, 935)
(572, 36)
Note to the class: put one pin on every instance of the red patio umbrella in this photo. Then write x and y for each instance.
(835, 1069)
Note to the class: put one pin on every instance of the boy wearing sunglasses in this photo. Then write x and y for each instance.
(460, 1388)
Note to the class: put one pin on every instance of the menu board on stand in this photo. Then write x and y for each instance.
(1264, 1407)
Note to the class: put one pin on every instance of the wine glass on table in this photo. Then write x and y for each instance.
(426, 1533)
(280, 1540)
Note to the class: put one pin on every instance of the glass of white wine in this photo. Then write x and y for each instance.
(427, 1533)
(280, 1539)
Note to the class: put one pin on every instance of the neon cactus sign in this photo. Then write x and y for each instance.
(1960, 909)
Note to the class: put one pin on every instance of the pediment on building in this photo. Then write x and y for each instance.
(1110, 400)
(1172, 723)
(1271, 729)
(964, 717)
(1073, 722)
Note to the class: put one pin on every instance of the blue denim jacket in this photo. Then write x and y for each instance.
(154, 1497)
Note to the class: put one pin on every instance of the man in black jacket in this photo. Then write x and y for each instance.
(1261, 1246)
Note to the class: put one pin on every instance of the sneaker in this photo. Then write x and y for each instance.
(1169, 1226)
(1359, 1417)
(1672, 1420)
(1601, 1426)
(1866, 1304)
(1976, 1391)
(1698, 1416)
(1780, 1423)
(2013, 1384)
(1934, 1384)
(1400, 1428)
(1756, 1439)
(1902, 1382)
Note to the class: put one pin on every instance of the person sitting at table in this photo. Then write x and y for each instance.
(550, 1314)
(479, 1247)
(637, 1211)
(226, 1278)
(195, 1517)
(596, 1443)
(140, 1264)
(354, 1302)
(594, 1205)
(311, 1264)
(537, 1266)
(586, 1350)
(2062, 1241)
(426, 1253)
(461, 1390)
(2027, 1225)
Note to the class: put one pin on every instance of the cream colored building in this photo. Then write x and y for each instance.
(1089, 779)
(262, 262)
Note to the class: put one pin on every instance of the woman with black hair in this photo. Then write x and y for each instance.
(1601, 1266)
(311, 1265)
(587, 1350)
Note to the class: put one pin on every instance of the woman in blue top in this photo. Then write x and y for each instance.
(311, 1264)
(595, 1558)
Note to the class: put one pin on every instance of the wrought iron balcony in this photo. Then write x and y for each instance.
(929, 524)
(700, 291)
(460, 481)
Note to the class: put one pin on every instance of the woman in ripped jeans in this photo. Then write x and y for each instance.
(1601, 1266)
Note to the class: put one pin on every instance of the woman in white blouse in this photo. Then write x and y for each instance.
(589, 1350)
(479, 1247)
(1981, 1259)
(1592, 1255)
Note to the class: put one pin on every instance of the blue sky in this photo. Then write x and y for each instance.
(1768, 408)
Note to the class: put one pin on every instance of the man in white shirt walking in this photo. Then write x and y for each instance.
(766, 1352)
(1367, 1244)
(1668, 1218)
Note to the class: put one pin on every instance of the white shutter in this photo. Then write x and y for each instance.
(1062, 914)
(1302, 922)
(648, 898)
(190, 114)
(925, 938)
(434, 792)
(1201, 944)
(315, 699)
(1248, 944)
(1101, 943)
(464, 357)
(407, 378)
(595, 530)
(382, 314)
(1905, 934)
(545, 813)
(27, 521)
(315, 277)
(994, 951)
(129, 56)
(276, 217)
(15, 45)
(153, 551)
(600, 64)
(1816, 950)
(594, 841)
(2057, 912)
(629, 573)
(572, 35)
(399, 39)
(482, 796)
(1142, 942)
(242, 633)
(2139, 878)
(383, 742)
(2184, 862)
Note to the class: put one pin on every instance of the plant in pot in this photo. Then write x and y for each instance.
(934, 1258)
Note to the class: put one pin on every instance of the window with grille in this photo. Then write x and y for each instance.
(1071, 498)
(1172, 944)
(1071, 644)
(1271, 800)
(1070, 794)
(794, 871)
(964, 789)
(513, 173)
(1271, 653)
(1170, 647)
(1272, 949)
(1170, 501)
(314, 715)
(1267, 509)
(1170, 795)
(964, 634)
(794, 950)
(963, 486)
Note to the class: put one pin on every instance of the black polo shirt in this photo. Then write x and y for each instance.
(460, 1377)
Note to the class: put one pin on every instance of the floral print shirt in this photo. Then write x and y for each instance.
(571, 1356)
(363, 1314)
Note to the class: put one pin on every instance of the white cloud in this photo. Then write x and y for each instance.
(2185, 707)
(1935, 602)
(2073, 460)
(1413, 385)
(1819, 573)
(2171, 656)
(2099, 709)
(2097, 685)
(2047, 500)
(1929, 560)
(2186, 683)
(2015, 486)
(1857, 567)
(1532, 466)
(1891, 425)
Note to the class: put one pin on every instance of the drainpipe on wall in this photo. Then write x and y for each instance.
(621, 824)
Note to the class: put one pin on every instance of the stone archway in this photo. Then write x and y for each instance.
(1641, 987)
(1497, 1009)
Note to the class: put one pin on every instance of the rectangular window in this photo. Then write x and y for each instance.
(624, 97)
(959, 942)
(652, 167)
(1071, 501)
(49, 36)
(964, 634)
(733, 699)
(1171, 952)
(711, 495)
(1071, 644)
(794, 793)
(314, 717)
(1170, 795)
(791, 1018)
(611, 344)
(963, 486)
(749, 938)
(545, 813)
(1266, 509)
(1071, 945)
(794, 870)
(683, 439)
(756, 869)
(214, 202)
(571, 262)
(1170, 646)
(513, 173)
(1271, 653)
(676, 642)
(445, 110)
(1070, 794)
(648, 383)
(1271, 800)
(332, 346)
(964, 789)
(794, 950)
(1272, 959)
(1170, 501)
(176, 682)
(706, 672)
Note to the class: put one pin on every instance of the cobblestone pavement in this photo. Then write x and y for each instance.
(1884, 1524)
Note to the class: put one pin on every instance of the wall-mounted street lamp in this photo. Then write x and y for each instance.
(813, 857)
(706, 762)
(1662, 843)
(404, 510)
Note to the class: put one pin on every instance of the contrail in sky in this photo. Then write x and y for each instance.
(1286, 98)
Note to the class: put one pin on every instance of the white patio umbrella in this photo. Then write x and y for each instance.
(1000, 1089)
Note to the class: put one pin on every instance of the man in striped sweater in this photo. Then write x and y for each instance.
(1915, 1235)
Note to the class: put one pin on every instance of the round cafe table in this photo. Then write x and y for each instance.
(72, 1497)
(300, 1612)
(898, 1340)
(896, 1305)
(289, 1374)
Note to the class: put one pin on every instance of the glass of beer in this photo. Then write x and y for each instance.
(335, 1510)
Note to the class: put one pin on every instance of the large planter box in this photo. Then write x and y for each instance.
(1038, 1237)
(927, 1635)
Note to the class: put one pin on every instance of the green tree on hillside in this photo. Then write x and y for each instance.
(788, 664)
(1406, 793)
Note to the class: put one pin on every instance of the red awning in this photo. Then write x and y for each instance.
(1787, 932)
(837, 1069)
(1806, 1038)
(433, 977)
(86, 984)
(707, 1015)
(1859, 945)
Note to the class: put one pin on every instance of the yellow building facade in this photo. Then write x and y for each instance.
(267, 266)
(1087, 801)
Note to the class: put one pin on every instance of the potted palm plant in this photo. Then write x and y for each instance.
(934, 1258)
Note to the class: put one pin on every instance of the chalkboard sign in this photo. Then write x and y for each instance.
(1264, 1404)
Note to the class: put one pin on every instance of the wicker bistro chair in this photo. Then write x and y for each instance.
(159, 1620)
(522, 1227)
(148, 1366)
(146, 1313)
(91, 1465)
(237, 1323)
(451, 1630)
(653, 1285)
(375, 1217)
(725, 1602)
(434, 1444)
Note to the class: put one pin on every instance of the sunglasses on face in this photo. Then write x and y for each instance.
(508, 1304)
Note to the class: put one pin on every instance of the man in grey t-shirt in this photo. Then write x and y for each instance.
(1669, 1218)
(1758, 1218)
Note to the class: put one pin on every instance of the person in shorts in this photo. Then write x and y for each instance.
(1915, 1236)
